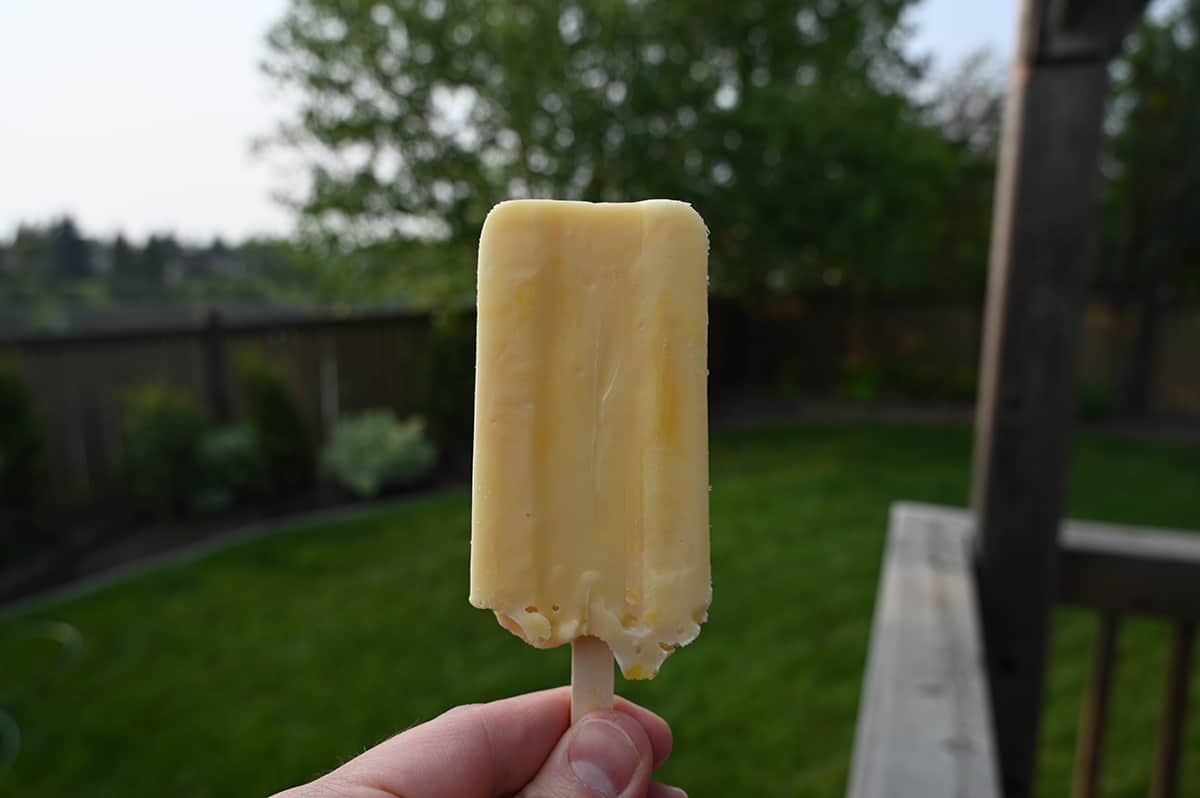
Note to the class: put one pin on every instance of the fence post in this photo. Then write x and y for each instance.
(216, 369)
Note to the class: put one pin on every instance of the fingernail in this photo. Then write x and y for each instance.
(602, 757)
(665, 791)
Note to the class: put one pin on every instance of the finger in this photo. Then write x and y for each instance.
(477, 751)
(604, 755)
(665, 791)
(656, 728)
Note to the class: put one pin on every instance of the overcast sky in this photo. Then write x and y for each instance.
(138, 115)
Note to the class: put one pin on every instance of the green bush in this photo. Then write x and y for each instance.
(789, 379)
(960, 385)
(447, 385)
(279, 431)
(870, 382)
(231, 468)
(374, 451)
(22, 461)
(161, 461)
(860, 382)
(1095, 403)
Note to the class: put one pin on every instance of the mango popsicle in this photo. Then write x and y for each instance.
(590, 485)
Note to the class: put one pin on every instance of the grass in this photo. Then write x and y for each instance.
(270, 662)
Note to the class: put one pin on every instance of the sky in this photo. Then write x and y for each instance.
(139, 115)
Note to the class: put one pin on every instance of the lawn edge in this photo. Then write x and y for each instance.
(248, 533)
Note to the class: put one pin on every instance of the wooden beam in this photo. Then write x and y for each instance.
(1130, 570)
(1075, 30)
(1041, 249)
(924, 726)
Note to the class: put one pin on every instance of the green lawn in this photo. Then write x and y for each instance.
(272, 661)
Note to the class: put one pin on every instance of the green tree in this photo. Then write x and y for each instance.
(29, 278)
(967, 108)
(786, 122)
(70, 255)
(30, 253)
(1153, 191)
(125, 274)
(154, 259)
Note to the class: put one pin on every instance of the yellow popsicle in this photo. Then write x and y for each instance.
(590, 484)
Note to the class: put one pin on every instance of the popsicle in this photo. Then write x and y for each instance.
(589, 518)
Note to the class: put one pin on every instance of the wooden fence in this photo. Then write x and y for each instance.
(336, 366)
(343, 364)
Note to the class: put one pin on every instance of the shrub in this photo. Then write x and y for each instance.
(869, 382)
(22, 457)
(447, 384)
(374, 451)
(231, 468)
(789, 379)
(860, 382)
(1095, 403)
(164, 430)
(282, 438)
(960, 385)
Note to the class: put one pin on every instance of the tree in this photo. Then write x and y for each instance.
(967, 107)
(1152, 196)
(786, 122)
(125, 272)
(30, 253)
(70, 255)
(156, 256)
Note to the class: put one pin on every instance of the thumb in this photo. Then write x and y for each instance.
(604, 755)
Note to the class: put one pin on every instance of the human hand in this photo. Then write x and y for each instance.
(523, 746)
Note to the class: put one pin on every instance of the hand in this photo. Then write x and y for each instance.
(523, 746)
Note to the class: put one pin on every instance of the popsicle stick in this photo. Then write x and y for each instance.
(591, 677)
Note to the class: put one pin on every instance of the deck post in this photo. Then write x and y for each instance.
(1042, 247)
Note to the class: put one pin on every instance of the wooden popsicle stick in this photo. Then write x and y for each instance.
(591, 677)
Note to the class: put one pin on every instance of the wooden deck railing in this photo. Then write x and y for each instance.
(917, 708)
(925, 723)
(1120, 571)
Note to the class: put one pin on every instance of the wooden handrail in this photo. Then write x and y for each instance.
(1133, 570)
(1139, 571)
(925, 725)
